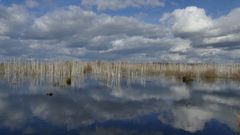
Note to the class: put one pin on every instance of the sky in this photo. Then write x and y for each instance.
(181, 31)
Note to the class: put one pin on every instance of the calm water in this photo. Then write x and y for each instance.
(153, 106)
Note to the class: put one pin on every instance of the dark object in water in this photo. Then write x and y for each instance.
(50, 94)
(68, 81)
(187, 80)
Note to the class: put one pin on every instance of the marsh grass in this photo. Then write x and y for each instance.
(210, 75)
(87, 69)
(111, 72)
(236, 75)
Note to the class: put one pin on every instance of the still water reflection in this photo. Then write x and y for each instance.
(159, 106)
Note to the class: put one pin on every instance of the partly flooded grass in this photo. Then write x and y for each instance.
(66, 72)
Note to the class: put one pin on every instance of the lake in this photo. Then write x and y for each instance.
(92, 105)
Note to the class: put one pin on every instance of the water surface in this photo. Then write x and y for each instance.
(144, 106)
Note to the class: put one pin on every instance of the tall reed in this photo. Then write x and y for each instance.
(60, 71)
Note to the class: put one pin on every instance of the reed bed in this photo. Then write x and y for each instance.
(60, 71)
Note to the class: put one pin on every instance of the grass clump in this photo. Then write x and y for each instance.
(236, 75)
(188, 77)
(184, 76)
(87, 69)
(209, 75)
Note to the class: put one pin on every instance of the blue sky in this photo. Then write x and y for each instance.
(215, 8)
(138, 30)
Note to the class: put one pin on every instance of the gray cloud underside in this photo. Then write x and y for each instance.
(117, 4)
(184, 35)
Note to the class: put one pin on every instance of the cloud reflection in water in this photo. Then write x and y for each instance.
(180, 106)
